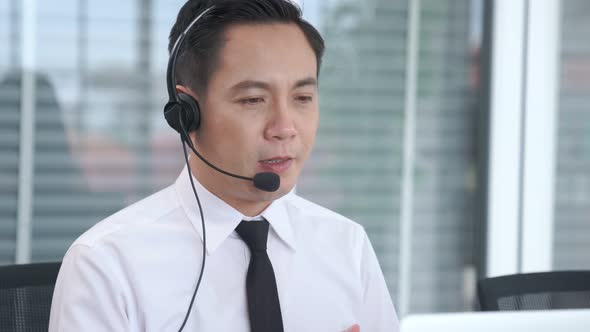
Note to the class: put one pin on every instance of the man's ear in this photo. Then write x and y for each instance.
(193, 136)
(186, 90)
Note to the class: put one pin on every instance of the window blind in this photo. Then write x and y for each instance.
(9, 152)
(101, 142)
(356, 166)
(572, 180)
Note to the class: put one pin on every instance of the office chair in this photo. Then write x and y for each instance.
(25, 296)
(535, 291)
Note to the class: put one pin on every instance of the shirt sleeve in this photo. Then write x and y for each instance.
(378, 313)
(86, 295)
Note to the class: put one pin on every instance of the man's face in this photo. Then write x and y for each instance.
(260, 111)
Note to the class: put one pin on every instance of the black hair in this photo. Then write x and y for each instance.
(198, 58)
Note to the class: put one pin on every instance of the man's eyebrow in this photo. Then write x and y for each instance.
(305, 82)
(249, 84)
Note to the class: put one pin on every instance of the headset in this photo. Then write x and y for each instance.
(183, 114)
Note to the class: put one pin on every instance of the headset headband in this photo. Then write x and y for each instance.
(171, 71)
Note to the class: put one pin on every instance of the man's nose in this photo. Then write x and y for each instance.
(281, 125)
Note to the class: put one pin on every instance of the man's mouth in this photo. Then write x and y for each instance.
(276, 164)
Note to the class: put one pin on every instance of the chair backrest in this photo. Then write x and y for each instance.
(535, 291)
(25, 296)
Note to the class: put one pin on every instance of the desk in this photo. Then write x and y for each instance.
(574, 320)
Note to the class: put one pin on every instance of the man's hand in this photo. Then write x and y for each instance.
(354, 328)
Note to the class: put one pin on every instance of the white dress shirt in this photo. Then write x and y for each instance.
(137, 269)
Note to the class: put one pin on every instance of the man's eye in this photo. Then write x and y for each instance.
(304, 99)
(252, 101)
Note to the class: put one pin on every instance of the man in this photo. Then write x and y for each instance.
(252, 66)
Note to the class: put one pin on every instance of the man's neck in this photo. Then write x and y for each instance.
(206, 176)
(250, 210)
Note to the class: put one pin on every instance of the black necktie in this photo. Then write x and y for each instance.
(261, 287)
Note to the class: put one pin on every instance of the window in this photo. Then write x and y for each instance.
(100, 141)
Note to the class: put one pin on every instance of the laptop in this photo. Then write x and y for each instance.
(571, 320)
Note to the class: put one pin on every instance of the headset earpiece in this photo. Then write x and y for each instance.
(192, 112)
(187, 108)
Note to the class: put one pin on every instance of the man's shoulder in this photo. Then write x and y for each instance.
(141, 213)
(321, 228)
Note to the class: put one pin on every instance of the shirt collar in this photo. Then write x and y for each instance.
(221, 219)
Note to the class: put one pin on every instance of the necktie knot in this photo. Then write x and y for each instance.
(254, 233)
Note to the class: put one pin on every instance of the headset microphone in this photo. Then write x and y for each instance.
(266, 181)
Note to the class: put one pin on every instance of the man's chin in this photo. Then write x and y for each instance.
(283, 190)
